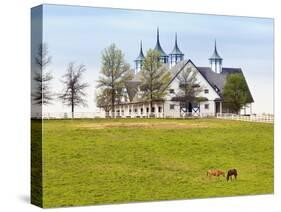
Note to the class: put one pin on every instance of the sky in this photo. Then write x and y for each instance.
(80, 34)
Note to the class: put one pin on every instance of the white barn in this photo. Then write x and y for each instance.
(211, 80)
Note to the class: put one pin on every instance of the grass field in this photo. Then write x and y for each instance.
(113, 161)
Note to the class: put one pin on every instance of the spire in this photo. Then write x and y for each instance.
(176, 50)
(215, 54)
(158, 35)
(216, 60)
(158, 46)
(141, 55)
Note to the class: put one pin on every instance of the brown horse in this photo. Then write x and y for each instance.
(230, 173)
(215, 172)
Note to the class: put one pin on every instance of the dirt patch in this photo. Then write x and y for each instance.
(160, 125)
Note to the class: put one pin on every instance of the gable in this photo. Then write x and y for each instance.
(203, 82)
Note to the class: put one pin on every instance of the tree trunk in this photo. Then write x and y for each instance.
(72, 109)
(72, 104)
(150, 108)
(113, 104)
(151, 105)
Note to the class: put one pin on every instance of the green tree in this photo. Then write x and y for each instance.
(154, 78)
(236, 93)
(114, 73)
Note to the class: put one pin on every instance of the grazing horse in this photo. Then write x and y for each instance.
(215, 172)
(230, 173)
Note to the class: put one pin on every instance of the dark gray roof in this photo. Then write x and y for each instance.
(215, 54)
(176, 50)
(133, 84)
(217, 81)
(141, 56)
(132, 88)
(158, 46)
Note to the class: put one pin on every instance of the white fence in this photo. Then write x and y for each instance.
(267, 118)
(64, 115)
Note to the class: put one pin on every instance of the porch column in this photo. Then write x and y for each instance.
(128, 108)
(220, 108)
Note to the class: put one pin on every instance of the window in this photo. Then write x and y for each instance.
(171, 91)
(141, 110)
(206, 106)
(130, 110)
(136, 110)
(206, 91)
(147, 109)
(172, 107)
(153, 109)
(159, 109)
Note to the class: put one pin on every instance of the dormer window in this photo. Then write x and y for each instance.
(216, 89)
(171, 91)
(206, 91)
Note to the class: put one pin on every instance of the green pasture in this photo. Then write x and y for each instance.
(104, 161)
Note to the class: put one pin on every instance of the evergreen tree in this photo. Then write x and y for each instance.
(236, 93)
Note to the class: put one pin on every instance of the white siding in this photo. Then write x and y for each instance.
(211, 95)
(171, 113)
(210, 111)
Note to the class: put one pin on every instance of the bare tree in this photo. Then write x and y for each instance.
(103, 100)
(74, 89)
(154, 78)
(189, 88)
(42, 94)
(114, 73)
